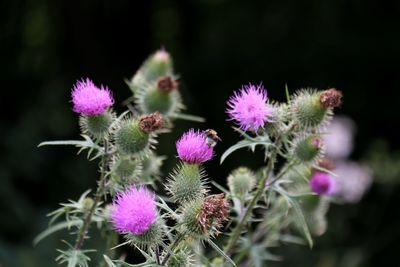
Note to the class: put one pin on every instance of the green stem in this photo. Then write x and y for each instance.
(260, 189)
(99, 194)
(174, 244)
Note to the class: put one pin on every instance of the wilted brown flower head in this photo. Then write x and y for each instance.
(214, 212)
(331, 98)
(152, 122)
(167, 84)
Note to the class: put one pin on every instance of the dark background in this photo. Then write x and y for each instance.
(217, 45)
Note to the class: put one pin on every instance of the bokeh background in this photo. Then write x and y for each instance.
(217, 45)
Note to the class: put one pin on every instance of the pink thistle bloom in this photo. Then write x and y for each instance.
(192, 147)
(134, 211)
(322, 183)
(90, 100)
(248, 108)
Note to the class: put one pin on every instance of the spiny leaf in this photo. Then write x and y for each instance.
(54, 228)
(241, 144)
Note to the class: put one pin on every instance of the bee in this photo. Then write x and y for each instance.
(212, 137)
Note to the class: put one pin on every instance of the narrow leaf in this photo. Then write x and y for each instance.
(188, 117)
(54, 228)
(108, 261)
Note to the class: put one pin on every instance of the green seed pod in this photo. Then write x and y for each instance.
(130, 139)
(97, 126)
(241, 181)
(308, 149)
(187, 183)
(308, 110)
(151, 237)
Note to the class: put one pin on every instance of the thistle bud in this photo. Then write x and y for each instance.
(158, 100)
(97, 126)
(87, 204)
(308, 110)
(202, 218)
(187, 183)
(130, 138)
(241, 181)
(166, 84)
(331, 98)
(126, 166)
(158, 64)
(152, 122)
(307, 149)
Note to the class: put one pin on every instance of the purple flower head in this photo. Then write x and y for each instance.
(90, 100)
(322, 183)
(192, 147)
(134, 211)
(248, 108)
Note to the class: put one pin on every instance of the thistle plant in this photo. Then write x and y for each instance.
(171, 219)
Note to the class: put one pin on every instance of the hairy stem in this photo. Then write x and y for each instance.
(173, 245)
(260, 189)
(99, 194)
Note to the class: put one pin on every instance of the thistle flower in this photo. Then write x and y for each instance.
(339, 137)
(90, 100)
(247, 107)
(353, 180)
(134, 211)
(192, 147)
(322, 183)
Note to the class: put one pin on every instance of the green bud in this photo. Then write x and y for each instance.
(186, 183)
(241, 181)
(126, 166)
(308, 110)
(97, 126)
(151, 237)
(307, 149)
(158, 64)
(130, 139)
(156, 100)
(87, 204)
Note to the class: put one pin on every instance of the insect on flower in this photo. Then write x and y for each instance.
(212, 137)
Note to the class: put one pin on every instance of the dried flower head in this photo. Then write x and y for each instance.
(134, 211)
(90, 100)
(331, 98)
(152, 122)
(214, 211)
(166, 84)
(248, 108)
(192, 147)
(322, 183)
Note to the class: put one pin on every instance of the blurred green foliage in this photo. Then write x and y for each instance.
(218, 45)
